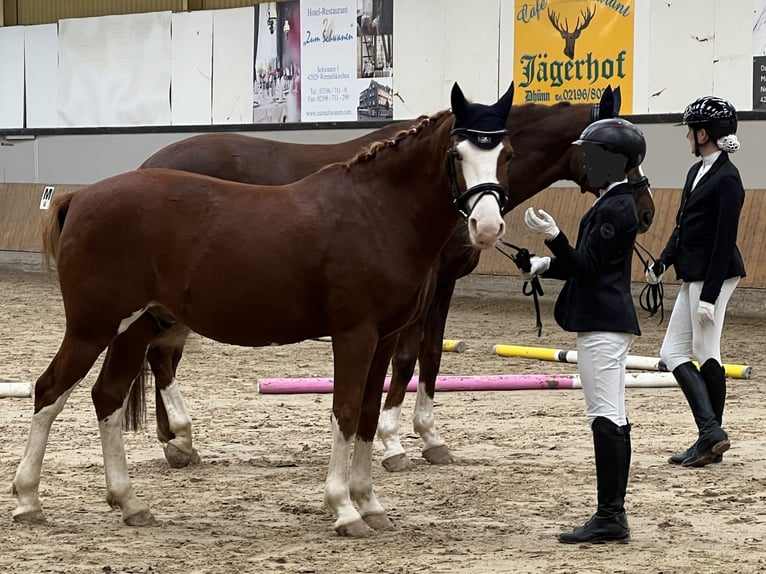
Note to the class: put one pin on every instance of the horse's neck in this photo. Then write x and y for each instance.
(542, 137)
(412, 180)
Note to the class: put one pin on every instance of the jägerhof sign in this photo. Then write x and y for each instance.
(570, 50)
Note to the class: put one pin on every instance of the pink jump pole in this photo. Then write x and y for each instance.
(453, 383)
(471, 383)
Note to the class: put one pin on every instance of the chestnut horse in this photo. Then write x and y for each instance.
(145, 250)
(542, 136)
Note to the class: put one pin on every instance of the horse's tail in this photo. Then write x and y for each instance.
(135, 406)
(53, 226)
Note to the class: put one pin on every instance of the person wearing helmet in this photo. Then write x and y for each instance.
(703, 250)
(596, 303)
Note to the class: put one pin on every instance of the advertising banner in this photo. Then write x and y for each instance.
(570, 50)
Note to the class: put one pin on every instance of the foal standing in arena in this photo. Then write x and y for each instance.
(141, 251)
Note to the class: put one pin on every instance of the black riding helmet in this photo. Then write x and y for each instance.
(618, 136)
(715, 115)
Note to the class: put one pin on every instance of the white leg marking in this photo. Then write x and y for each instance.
(27, 481)
(336, 489)
(388, 431)
(119, 491)
(178, 419)
(360, 484)
(423, 419)
(125, 323)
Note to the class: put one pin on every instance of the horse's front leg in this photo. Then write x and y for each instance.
(111, 393)
(174, 425)
(405, 357)
(353, 353)
(435, 450)
(70, 365)
(360, 484)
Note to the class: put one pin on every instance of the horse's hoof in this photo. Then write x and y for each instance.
(142, 518)
(178, 458)
(378, 521)
(397, 463)
(438, 455)
(32, 517)
(195, 458)
(355, 529)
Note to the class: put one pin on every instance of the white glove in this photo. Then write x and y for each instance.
(706, 312)
(537, 265)
(542, 223)
(654, 273)
(651, 278)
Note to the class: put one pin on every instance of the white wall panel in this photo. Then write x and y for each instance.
(115, 70)
(419, 57)
(732, 57)
(682, 53)
(471, 49)
(191, 68)
(41, 70)
(505, 48)
(642, 54)
(12, 77)
(233, 38)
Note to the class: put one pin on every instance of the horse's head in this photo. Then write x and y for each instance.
(542, 138)
(482, 150)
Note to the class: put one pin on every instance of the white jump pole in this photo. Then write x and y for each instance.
(634, 361)
(9, 389)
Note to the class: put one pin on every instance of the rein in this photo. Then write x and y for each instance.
(650, 298)
(533, 288)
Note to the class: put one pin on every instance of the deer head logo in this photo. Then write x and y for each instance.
(570, 37)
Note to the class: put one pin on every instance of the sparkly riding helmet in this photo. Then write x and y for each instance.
(715, 115)
(618, 136)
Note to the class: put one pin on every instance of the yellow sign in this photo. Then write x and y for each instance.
(570, 50)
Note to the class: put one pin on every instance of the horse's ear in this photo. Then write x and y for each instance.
(458, 101)
(505, 101)
(617, 101)
(606, 105)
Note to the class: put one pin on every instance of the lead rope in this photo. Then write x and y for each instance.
(650, 298)
(522, 259)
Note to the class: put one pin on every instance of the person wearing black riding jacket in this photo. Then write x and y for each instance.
(703, 250)
(596, 303)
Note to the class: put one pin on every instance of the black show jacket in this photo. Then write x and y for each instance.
(703, 245)
(596, 295)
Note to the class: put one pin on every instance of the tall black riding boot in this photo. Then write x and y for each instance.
(612, 447)
(714, 376)
(712, 440)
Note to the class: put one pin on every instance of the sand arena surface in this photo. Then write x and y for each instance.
(524, 465)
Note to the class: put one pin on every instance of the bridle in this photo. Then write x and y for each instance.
(460, 199)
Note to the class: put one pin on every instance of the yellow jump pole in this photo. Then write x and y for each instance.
(453, 346)
(634, 361)
(448, 345)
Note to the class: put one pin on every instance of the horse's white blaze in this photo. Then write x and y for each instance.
(178, 419)
(336, 488)
(132, 318)
(27, 480)
(423, 419)
(360, 483)
(119, 491)
(388, 431)
(485, 223)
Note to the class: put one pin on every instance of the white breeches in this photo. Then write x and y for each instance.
(687, 338)
(602, 357)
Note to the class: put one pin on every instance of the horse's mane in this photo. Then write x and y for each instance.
(369, 152)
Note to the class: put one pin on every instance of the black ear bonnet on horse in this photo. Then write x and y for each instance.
(481, 124)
